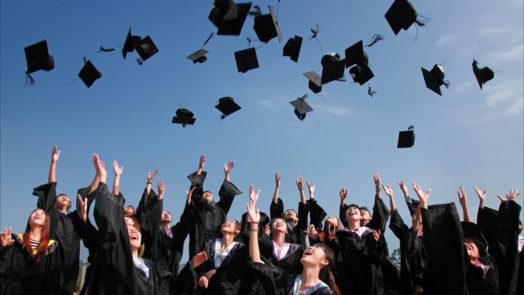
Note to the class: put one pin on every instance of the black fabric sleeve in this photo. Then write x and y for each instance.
(227, 194)
(342, 214)
(398, 227)
(316, 213)
(380, 216)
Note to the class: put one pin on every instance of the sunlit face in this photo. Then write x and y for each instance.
(472, 250)
(353, 214)
(166, 217)
(135, 238)
(290, 216)
(129, 210)
(63, 202)
(207, 196)
(314, 256)
(279, 225)
(37, 218)
(230, 227)
(366, 217)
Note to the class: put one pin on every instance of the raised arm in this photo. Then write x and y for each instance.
(380, 215)
(464, 204)
(55, 155)
(228, 190)
(277, 188)
(422, 196)
(150, 177)
(300, 188)
(201, 163)
(378, 184)
(118, 170)
(316, 212)
(482, 196)
(342, 209)
(389, 193)
(253, 218)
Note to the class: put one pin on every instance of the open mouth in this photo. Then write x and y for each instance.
(308, 251)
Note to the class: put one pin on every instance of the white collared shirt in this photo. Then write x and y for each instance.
(280, 252)
(220, 256)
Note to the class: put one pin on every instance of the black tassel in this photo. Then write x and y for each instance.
(222, 117)
(103, 49)
(375, 39)
(29, 79)
(139, 61)
(370, 91)
(208, 38)
(248, 42)
(446, 83)
(314, 32)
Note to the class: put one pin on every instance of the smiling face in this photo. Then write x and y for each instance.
(279, 225)
(230, 227)
(366, 217)
(314, 256)
(353, 214)
(290, 216)
(331, 226)
(135, 237)
(37, 218)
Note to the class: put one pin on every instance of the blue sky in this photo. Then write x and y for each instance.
(466, 137)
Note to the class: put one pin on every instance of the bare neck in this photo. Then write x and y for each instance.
(35, 233)
(227, 240)
(354, 225)
(309, 276)
(279, 238)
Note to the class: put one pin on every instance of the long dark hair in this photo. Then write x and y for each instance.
(326, 273)
(44, 238)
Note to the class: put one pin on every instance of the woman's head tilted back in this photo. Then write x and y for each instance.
(38, 221)
(133, 231)
(318, 255)
(231, 226)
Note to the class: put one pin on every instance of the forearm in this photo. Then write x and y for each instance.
(116, 185)
(94, 184)
(254, 251)
(392, 205)
(465, 212)
(276, 194)
(302, 196)
(52, 172)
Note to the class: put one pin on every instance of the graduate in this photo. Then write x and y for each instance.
(501, 231)
(117, 268)
(66, 227)
(163, 242)
(296, 223)
(413, 260)
(30, 262)
(313, 261)
(205, 215)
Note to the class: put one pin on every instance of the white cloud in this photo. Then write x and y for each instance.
(464, 86)
(446, 39)
(336, 110)
(508, 95)
(513, 54)
(495, 31)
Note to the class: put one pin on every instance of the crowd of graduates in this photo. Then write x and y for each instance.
(139, 251)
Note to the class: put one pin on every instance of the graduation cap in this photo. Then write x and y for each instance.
(184, 117)
(146, 48)
(292, 48)
(361, 74)
(483, 75)
(227, 106)
(435, 78)
(315, 81)
(332, 67)
(266, 26)
(406, 139)
(89, 74)
(355, 54)
(37, 58)
(401, 15)
(198, 56)
(301, 107)
(130, 43)
(229, 17)
(246, 60)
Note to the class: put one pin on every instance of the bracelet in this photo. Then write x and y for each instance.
(149, 182)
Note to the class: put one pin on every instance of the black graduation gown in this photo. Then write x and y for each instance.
(501, 230)
(206, 218)
(67, 229)
(21, 274)
(413, 260)
(265, 245)
(228, 277)
(443, 242)
(289, 265)
(164, 251)
(357, 260)
(316, 214)
(114, 271)
(295, 234)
